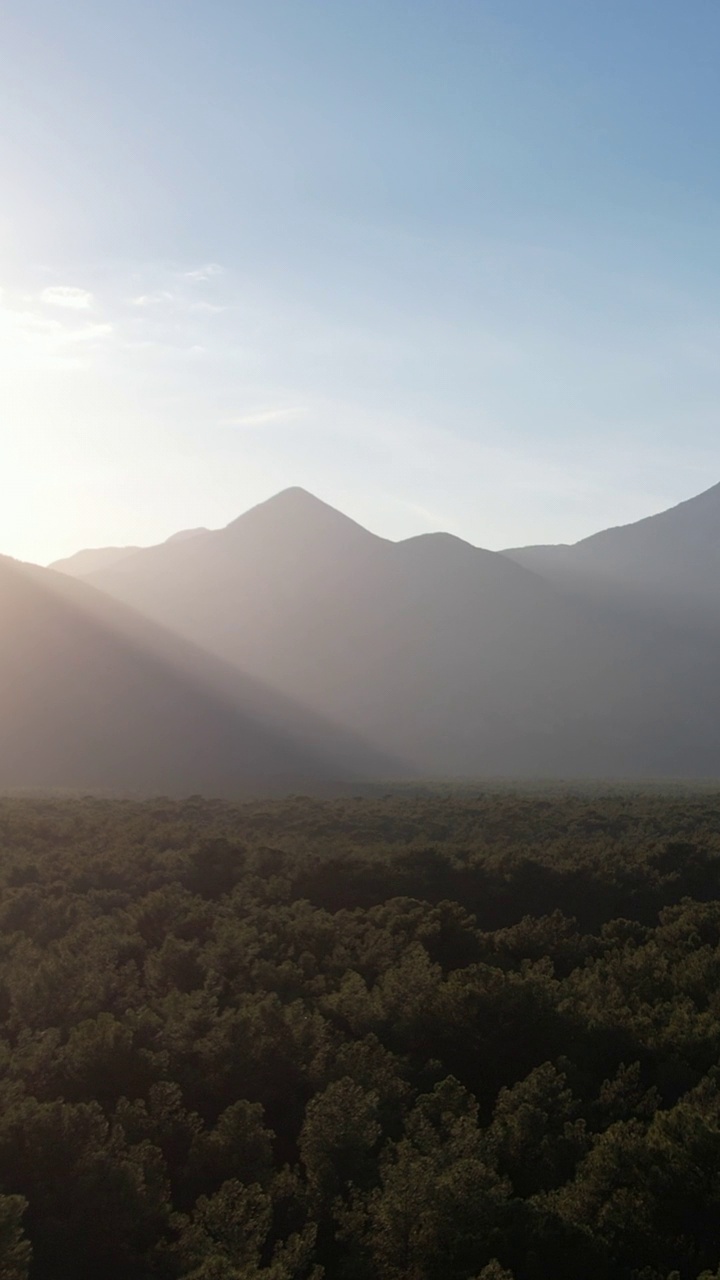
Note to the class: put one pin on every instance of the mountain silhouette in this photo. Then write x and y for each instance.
(671, 559)
(95, 696)
(457, 660)
(83, 563)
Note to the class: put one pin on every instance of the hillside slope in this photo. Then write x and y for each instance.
(95, 696)
(672, 558)
(95, 559)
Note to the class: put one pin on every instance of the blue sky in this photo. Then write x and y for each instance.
(448, 265)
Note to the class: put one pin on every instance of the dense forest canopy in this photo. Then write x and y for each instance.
(417, 1036)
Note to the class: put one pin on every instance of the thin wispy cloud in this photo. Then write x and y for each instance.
(208, 272)
(152, 299)
(35, 340)
(62, 295)
(172, 299)
(264, 417)
(431, 517)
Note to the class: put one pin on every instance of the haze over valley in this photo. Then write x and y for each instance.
(295, 647)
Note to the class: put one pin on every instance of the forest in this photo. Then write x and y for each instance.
(421, 1034)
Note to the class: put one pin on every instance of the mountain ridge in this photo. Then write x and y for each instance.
(92, 559)
(672, 556)
(458, 660)
(296, 502)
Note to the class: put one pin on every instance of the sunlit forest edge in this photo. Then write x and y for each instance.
(427, 1033)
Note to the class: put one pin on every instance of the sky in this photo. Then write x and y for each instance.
(448, 264)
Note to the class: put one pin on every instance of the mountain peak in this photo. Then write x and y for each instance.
(295, 493)
(295, 500)
(440, 541)
(299, 513)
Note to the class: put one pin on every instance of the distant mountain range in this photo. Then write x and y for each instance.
(437, 658)
(83, 563)
(668, 559)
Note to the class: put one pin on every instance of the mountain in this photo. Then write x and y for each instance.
(184, 534)
(83, 563)
(93, 696)
(671, 559)
(457, 660)
(94, 559)
(365, 630)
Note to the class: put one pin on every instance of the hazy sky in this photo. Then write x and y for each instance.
(446, 263)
